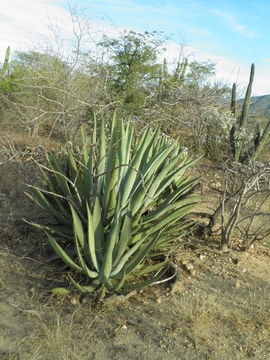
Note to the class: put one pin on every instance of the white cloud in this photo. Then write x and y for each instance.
(240, 28)
(40, 24)
(233, 22)
(22, 21)
(227, 70)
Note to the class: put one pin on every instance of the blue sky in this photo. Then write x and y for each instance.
(233, 34)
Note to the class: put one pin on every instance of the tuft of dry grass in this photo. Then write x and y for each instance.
(21, 141)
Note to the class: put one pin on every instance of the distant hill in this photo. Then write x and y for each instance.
(260, 105)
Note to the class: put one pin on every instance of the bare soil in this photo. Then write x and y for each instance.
(218, 307)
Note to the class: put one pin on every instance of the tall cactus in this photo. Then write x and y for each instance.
(183, 70)
(6, 62)
(165, 72)
(168, 81)
(244, 114)
(233, 128)
(246, 105)
(259, 145)
(233, 100)
(163, 80)
(258, 142)
(180, 71)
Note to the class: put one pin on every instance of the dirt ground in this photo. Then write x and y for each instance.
(217, 309)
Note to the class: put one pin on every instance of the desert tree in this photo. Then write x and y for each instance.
(133, 67)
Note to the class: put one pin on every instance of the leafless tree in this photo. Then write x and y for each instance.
(243, 205)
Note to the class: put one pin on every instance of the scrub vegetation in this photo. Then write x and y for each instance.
(134, 206)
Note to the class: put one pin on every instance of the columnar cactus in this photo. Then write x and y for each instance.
(244, 114)
(239, 128)
(5, 65)
(233, 100)
(180, 71)
(165, 73)
(260, 141)
(183, 71)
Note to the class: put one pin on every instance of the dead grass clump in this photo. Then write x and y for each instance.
(62, 336)
(21, 141)
(54, 337)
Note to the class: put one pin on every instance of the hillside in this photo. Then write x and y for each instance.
(261, 105)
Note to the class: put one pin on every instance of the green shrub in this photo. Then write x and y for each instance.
(120, 204)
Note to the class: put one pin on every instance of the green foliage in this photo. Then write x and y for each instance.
(170, 81)
(119, 204)
(199, 72)
(132, 66)
(187, 80)
(181, 70)
(46, 94)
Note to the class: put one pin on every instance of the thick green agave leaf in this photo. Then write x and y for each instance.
(59, 230)
(140, 285)
(59, 174)
(168, 208)
(152, 268)
(139, 250)
(85, 288)
(110, 246)
(125, 237)
(128, 180)
(78, 227)
(41, 200)
(63, 255)
(95, 235)
(85, 268)
(121, 282)
(125, 199)
(61, 291)
(101, 165)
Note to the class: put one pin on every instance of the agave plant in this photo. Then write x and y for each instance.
(119, 204)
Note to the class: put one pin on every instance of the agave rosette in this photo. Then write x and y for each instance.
(118, 202)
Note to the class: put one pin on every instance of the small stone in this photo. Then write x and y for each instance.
(234, 260)
(189, 267)
(74, 301)
(32, 291)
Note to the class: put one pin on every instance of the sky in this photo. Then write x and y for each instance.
(233, 33)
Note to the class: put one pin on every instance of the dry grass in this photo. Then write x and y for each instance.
(54, 336)
(21, 141)
(222, 312)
